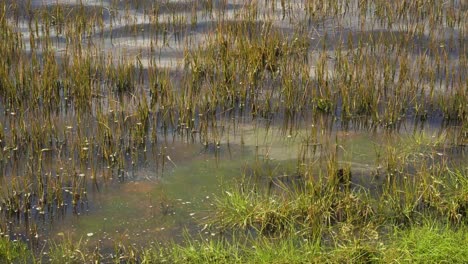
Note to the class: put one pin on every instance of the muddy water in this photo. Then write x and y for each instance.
(156, 206)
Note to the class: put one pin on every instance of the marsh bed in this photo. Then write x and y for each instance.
(139, 131)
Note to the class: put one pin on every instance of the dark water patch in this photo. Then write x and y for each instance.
(417, 44)
(174, 7)
(147, 30)
(57, 14)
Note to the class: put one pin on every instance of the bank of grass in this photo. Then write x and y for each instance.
(430, 242)
(427, 243)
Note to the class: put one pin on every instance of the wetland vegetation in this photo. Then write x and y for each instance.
(216, 131)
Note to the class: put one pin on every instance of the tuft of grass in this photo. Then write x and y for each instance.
(14, 252)
(309, 210)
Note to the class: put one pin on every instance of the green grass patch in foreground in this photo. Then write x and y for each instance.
(429, 245)
(13, 252)
(420, 244)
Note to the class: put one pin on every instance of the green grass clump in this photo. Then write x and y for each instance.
(309, 210)
(14, 252)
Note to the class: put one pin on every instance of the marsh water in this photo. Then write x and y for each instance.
(155, 203)
(162, 188)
